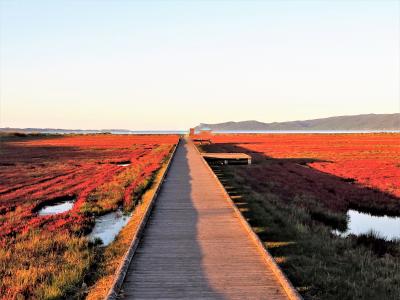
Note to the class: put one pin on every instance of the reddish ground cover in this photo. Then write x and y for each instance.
(341, 169)
(35, 171)
(300, 188)
(370, 159)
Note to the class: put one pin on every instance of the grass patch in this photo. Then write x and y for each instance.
(323, 266)
(45, 265)
(114, 253)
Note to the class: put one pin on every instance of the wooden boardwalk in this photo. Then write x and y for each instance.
(194, 245)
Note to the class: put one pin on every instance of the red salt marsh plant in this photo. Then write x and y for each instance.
(299, 189)
(49, 256)
(320, 163)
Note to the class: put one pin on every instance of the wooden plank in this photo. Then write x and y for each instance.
(225, 155)
(194, 245)
(144, 216)
(227, 158)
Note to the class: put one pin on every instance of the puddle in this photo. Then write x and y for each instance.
(384, 226)
(123, 165)
(56, 208)
(108, 226)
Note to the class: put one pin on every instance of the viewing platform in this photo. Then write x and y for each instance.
(228, 158)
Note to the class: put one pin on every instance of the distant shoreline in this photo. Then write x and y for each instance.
(161, 132)
(303, 131)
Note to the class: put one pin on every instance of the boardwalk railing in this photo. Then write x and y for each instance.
(124, 265)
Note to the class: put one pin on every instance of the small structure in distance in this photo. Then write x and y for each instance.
(202, 136)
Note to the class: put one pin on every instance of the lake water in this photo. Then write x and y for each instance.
(384, 226)
(113, 131)
(124, 165)
(57, 208)
(108, 226)
(268, 131)
(306, 131)
(216, 131)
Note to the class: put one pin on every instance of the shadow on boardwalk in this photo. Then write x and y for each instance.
(288, 177)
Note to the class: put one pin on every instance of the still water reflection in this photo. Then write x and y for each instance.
(56, 208)
(108, 226)
(384, 226)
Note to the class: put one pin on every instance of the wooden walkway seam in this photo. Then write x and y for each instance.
(196, 245)
(126, 260)
(284, 281)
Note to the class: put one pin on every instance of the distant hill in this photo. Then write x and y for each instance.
(356, 122)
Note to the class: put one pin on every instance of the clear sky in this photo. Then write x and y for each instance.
(172, 64)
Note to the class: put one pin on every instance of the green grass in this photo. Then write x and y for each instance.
(320, 264)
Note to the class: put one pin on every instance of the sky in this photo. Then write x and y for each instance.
(169, 65)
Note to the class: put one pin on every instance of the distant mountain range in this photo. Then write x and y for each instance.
(355, 122)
